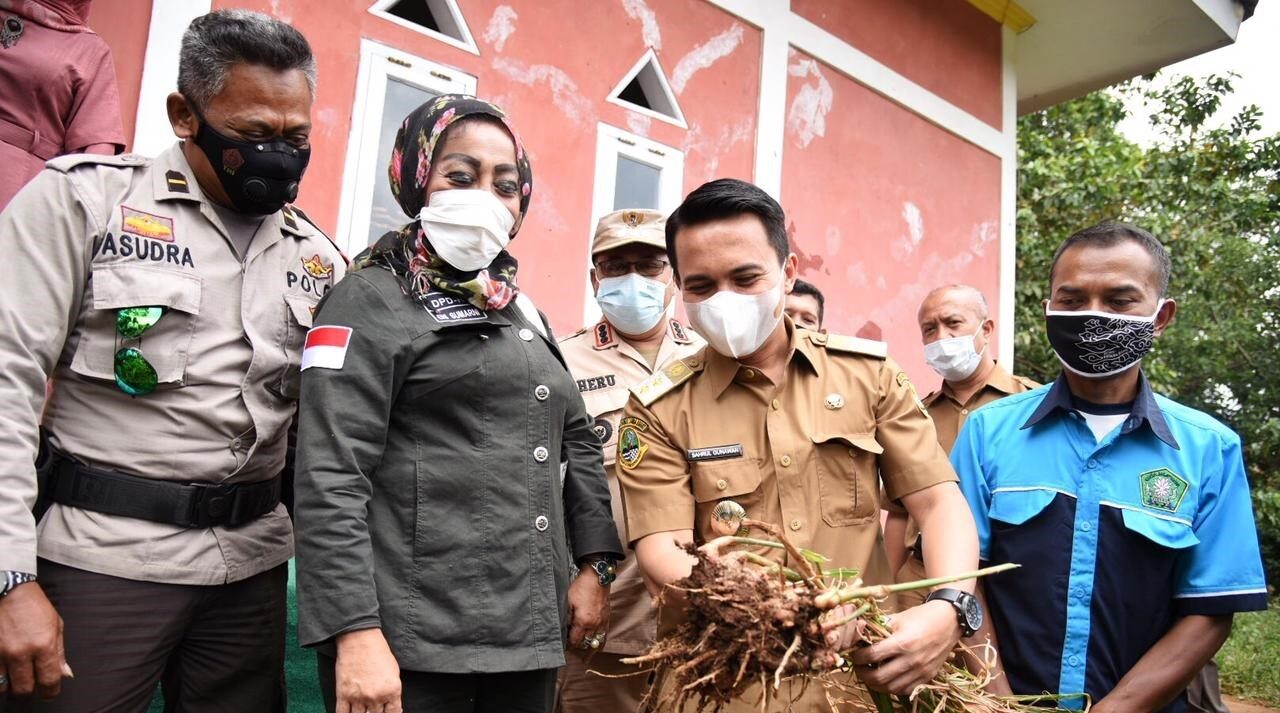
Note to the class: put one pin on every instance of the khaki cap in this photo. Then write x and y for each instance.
(633, 225)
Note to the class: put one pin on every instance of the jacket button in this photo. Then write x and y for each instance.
(786, 461)
(526, 334)
(541, 523)
(540, 454)
(722, 484)
(795, 525)
(541, 392)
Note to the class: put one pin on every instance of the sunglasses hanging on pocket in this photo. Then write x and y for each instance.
(134, 374)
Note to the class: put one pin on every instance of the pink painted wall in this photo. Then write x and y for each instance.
(884, 206)
(947, 46)
(552, 74)
(124, 24)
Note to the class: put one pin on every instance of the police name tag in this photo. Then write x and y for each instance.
(448, 309)
(715, 453)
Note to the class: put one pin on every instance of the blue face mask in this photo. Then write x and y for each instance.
(632, 304)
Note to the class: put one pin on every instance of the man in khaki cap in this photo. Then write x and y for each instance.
(637, 335)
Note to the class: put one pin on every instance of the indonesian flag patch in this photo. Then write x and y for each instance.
(326, 347)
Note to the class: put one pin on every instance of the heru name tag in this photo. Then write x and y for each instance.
(715, 453)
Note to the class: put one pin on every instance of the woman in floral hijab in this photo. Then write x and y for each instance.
(407, 251)
(447, 474)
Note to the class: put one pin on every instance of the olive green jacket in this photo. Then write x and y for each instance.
(430, 500)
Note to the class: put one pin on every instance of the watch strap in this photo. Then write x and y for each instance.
(11, 579)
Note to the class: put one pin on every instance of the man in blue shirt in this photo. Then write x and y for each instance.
(1129, 512)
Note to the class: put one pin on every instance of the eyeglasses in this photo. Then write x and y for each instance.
(618, 268)
(134, 374)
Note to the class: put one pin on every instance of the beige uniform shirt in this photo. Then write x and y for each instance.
(93, 234)
(949, 415)
(605, 367)
(808, 456)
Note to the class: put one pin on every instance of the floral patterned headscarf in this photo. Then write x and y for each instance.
(407, 251)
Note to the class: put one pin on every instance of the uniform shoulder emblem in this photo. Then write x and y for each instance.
(666, 379)
(64, 164)
(850, 345)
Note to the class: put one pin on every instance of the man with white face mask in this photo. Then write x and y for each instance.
(637, 334)
(795, 426)
(956, 329)
(1129, 512)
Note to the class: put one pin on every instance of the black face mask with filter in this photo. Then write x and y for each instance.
(260, 177)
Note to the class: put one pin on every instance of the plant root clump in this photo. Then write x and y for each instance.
(744, 625)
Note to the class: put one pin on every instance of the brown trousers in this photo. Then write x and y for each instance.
(580, 691)
(215, 649)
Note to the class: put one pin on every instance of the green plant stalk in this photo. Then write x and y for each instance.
(882, 590)
(771, 566)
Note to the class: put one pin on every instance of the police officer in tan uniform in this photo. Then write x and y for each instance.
(798, 427)
(956, 328)
(167, 299)
(634, 287)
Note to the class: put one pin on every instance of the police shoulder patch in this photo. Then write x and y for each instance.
(850, 345)
(666, 379)
(64, 164)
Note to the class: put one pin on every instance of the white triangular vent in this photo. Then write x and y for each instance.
(645, 89)
(441, 19)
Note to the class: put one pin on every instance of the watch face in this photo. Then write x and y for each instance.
(972, 613)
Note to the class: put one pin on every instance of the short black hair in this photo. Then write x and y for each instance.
(1111, 232)
(728, 198)
(805, 288)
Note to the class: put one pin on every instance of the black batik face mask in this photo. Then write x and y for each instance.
(258, 176)
(1100, 344)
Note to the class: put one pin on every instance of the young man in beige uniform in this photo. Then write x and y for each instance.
(633, 284)
(798, 427)
(168, 300)
(956, 328)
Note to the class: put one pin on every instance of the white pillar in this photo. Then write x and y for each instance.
(169, 19)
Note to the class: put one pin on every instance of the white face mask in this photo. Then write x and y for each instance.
(735, 324)
(467, 228)
(955, 359)
(632, 303)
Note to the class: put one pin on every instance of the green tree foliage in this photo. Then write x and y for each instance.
(1209, 188)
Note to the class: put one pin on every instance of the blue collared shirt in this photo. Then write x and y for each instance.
(1117, 539)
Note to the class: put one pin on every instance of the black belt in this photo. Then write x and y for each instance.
(193, 505)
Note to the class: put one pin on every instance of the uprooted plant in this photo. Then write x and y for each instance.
(750, 620)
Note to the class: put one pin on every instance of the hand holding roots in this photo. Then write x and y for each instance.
(751, 620)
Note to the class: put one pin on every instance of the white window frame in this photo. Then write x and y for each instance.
(364, 167)
(664, 85)
(381, 8)
(612, 142)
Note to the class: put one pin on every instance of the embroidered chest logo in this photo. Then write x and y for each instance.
(316, 268)
(448, 309)
(630, 450)
(145, 225)
(315, 277)
(1162, 489)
